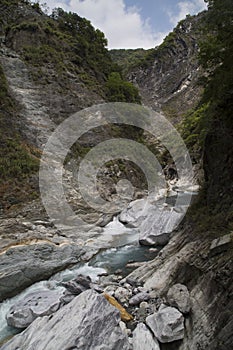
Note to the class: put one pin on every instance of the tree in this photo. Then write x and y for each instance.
(216, 51)
(119, 90)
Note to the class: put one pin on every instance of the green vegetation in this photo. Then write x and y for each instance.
(119, 90)
(194, 127)
(210, 126)
(29, 26)
(169, 40)
(128, 58)
(147, 60)
(15, 160)
(68, 43)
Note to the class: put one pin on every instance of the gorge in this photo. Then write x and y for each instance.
(175, 287)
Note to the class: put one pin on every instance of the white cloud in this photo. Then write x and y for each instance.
(122, 26)
(186, 7)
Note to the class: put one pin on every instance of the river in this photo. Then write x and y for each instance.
(124, 249)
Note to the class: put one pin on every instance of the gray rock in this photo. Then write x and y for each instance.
(135, 213)
(35, 304)
(159, 224)
(67, 297)
(178, 296)
(155, 221)
(88, 322)
(85, 281)
(78, 285)
(124, 329)
(138, 298)
(132, 282)
(122, 294)
(186, 256)
(221, 244)
(167, 324)
(97, 288)
(143, 339)
(144, 305)
(74, 288)
(21, 266)
(104, 220)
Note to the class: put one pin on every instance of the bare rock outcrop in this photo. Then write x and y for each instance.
(88, 322)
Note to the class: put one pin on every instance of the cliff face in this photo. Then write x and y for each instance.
(167, 76)
(50, 67)
(200, 255)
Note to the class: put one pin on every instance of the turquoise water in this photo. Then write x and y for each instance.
(124, 248)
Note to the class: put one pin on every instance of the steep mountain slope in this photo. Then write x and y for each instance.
(167, 76)
(200, 255)
(48, 71)
(51, 67)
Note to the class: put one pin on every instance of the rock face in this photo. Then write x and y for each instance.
(34, 305)
(187, 260)
(168, 77)
(156, 229)
(178, 296)
(221, 244)
(21, 266)
(155, 222)
(167, 324)
(88, 322)
(143, 339)
(135, 213)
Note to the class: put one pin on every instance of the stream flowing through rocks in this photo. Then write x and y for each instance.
(125, 254)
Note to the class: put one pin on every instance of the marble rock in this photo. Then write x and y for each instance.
(143, 339)
(138, 298)
(167, 324)
(178, 296)
(34, 305)
(87, 322)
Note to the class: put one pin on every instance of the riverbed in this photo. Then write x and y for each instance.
(125, 249)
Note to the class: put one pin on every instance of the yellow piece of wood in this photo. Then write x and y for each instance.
(125, 316)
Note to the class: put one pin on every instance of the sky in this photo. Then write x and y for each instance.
(132, 24)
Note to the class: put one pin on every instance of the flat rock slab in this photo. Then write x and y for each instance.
(167, 324)
(21, 266)
(87, 322)
(34, 305)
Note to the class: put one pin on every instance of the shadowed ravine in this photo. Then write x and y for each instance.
(116, 184)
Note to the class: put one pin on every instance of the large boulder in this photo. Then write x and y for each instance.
(21, 266)
(143, 339)
(154, 219)
(167, 324)
(157, 227)
(135, 213)
(87, 322)
(34, 305)
(178, 296)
